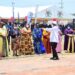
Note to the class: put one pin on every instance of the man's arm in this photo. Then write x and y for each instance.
(49, 29)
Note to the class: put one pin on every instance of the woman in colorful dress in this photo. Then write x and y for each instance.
(37, 37)
(45, 39)
(15, 40)
(68, 30)
(3, 42)
(26, 45)
(59, 45)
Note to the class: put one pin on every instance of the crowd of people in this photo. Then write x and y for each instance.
(24, 39)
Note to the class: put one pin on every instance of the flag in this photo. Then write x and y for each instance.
(18, 18)
(36, 11)
(30, 15)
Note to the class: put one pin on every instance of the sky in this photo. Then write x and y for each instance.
(68, 5)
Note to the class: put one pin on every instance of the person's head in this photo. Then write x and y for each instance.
(27, 26)
(49, 26)
(23, 24)
(9, 23)
(37, 25)
(1, 24)
(34, 25)
(68, 27)
(54, 23)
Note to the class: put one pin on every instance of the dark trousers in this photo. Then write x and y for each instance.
(53, 46)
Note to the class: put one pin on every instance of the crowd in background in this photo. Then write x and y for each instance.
(24, 39)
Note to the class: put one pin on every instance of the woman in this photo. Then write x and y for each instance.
(68, 30)
(45, 39)
(26, 46)
(37, 37)
(59, 45)
(3, 42)
(15, 41)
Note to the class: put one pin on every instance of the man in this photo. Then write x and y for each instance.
(55, 31)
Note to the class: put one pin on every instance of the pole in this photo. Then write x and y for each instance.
(13, 4)
(61, 8)
(36, 11)
(18, 18)
(60, 12)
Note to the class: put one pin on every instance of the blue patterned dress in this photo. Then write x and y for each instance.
(37, 37)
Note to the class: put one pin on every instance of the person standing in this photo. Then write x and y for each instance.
(37, 37)
(3, 43)
(59, 45)
(45, 40)
(26, 44)
(54, 39)
(67, 31)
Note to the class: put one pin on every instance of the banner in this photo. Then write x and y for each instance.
(30, 15)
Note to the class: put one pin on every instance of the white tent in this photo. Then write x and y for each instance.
(7, 12)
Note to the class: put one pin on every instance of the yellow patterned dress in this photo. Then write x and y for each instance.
(3, 46)
(26, 45)
(46, 41)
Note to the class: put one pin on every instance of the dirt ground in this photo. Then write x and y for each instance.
(38, 65)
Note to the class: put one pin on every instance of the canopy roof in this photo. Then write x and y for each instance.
(7, 12)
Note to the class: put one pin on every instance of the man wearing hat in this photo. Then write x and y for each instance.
(55, 31)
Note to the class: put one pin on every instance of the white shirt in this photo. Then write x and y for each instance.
(54, 33)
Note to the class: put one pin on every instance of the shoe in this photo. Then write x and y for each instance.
(56, 59)
(52, 58)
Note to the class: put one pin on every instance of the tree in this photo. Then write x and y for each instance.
(60, 14)
(48, 13)
(73, 14)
